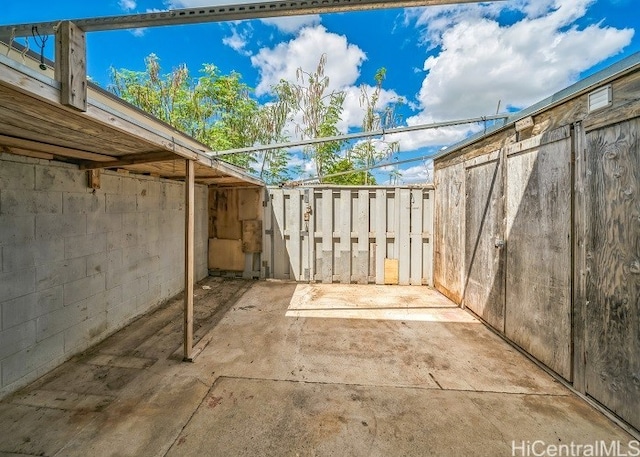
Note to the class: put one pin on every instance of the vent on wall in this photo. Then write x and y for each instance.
(600, 98)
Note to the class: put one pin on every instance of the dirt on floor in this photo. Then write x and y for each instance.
(303, 370)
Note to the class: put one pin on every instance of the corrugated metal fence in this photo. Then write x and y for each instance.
(344, 234)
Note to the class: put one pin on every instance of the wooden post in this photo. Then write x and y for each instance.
(189, 225)
(71, 65)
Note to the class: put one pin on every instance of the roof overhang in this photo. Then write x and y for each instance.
(110, 134)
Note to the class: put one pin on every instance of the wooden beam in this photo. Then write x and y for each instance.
(36, 146)
(93, 179)
(71, 65)
(189, 227)
(131, 159)
(24, 152)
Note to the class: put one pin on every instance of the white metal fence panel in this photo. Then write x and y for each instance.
(344, 234)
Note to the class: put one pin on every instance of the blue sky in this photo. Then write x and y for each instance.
(451, 62)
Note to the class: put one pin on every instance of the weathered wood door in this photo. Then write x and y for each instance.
(612, 311)
(538, 250)
(484, 250)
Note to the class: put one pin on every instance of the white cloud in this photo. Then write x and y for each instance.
(127, 5)
(291, 24)
(139, 32)
(304, 51)
(481, 62)
(238, 39)
(418, 174)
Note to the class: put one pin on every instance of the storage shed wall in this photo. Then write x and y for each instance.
(76, 264)
(538, 232)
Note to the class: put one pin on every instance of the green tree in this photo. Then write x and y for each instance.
(369, 152)
(319, 111)
(215, 109)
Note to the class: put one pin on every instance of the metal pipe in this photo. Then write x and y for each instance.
(353, 136)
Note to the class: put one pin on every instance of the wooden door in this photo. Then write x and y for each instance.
(612, 306)
(484, 241)
(538, 250)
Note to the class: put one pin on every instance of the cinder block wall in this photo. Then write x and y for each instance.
(78, 264)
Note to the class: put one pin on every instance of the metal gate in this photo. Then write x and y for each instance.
(349, 235)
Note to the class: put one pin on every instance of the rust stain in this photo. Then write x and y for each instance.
(214, 401)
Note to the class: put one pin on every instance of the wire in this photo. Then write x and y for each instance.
(41, 42)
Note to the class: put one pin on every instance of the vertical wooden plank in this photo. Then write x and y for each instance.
(267, 243)
(484, 246)
(538, 260)
(189, 232)
(294, 216)
(416, 250)
(343, 257)
(427, 230)
(613, 265)
(280, 258)
(381, 233)
(581, 201)
(327, 236)
(361, 266)
(403, 230)
(71, 65)
(311, 256)
(393, 221)
(448, 277)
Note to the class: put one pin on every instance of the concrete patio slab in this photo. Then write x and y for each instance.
(404, 372)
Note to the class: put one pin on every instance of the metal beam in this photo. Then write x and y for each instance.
(355, 136)
(233, 12)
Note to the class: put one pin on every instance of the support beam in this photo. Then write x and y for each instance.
(230, 12)
(71, 65)
(189, 228)
(61, 151)
(131, 159)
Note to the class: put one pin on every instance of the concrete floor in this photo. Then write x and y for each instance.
(301, 370)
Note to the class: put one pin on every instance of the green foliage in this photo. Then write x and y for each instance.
(215, 109)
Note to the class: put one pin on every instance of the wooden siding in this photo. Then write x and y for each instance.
(449, 257)
(484, 240)
(612, 305)
(538, 264)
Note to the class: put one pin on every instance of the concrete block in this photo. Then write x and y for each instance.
(19, 310)
(104, 222)
(113, 297)
(149, 298)
(22, 202)
(132, 287)
(17, 229)
(129, 185)
(83, 245)
(17, 283)
(83, 202)
(54, 178)
(83, 334)
(61, 319)
(54, 226)
(120, 203)
(15, 175)
(114, 271)
(83, 288)
(97, 263)
(17, 338)
(21, 364)
(22, 256)
(110, 182)
(119, 316)
(57, 273)
(49, 300)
